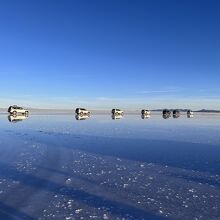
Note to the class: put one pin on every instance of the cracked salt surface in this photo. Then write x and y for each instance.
(45, 177)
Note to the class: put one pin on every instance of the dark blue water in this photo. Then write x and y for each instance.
(99, 168)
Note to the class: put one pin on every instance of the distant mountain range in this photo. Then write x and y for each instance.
(185, 110)
(210, 111)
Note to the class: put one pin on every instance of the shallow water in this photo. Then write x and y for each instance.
(57, 167)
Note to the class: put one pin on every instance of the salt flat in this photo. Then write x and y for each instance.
(57, 167)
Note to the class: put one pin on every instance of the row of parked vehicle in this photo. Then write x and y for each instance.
(176, 112)
(83, 111)
(18, 113)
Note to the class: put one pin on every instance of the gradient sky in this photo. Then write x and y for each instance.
(106, 53)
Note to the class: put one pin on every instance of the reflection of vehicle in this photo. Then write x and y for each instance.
(176, 116)
(82, 111)
(114, 116)
(117, 112)
(82, 117)
(166, 113)
(145, 112)
(17, 118)
(143, 116)
(189, 112)
(14, 110)
(166, 116)
(190, 116)
(176, 113)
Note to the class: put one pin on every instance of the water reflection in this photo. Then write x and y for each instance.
(17, 118)
(166, 116)
(106, 170)
(143, 116)
(190, 116)
(176, 116)
(82, 117)
(115, 116)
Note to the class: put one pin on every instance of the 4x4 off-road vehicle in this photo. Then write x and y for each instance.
(189, 112)
(15, 110)
(145, 112)
(117, 112)
(176, 113)
(166, 113)
(82, 111)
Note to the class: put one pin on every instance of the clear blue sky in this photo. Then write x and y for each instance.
(105, 53)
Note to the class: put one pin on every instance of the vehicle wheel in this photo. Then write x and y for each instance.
(81, 114)
(14, 113)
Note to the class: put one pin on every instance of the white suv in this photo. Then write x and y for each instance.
(82, 111)
(14, 110)
(145, 112)
(189, 112)
(117, 112)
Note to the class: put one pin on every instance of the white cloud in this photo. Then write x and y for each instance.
(156, 91)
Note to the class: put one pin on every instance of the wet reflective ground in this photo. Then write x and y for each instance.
(103, 167)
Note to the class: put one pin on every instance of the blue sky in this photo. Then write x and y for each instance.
(99, 54)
